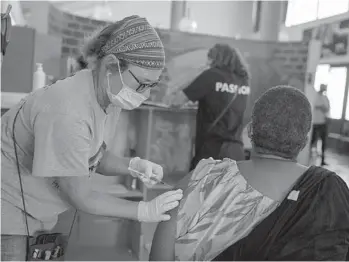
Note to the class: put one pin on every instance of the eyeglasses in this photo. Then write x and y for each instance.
(143, 86)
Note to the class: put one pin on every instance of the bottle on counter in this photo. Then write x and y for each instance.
(39, 79)
(134, 184)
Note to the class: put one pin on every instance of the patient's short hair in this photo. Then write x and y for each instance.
(281, 121)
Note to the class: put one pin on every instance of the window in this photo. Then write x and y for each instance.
(322, 76)
(303, 11)
(335, 90)
(329, 8)
(335, 78)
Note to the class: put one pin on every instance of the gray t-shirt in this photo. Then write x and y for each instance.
(59, 133)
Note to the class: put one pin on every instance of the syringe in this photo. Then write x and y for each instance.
(151, 178)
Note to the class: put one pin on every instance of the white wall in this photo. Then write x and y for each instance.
(223, 18)
(157, 12)
(37, 17)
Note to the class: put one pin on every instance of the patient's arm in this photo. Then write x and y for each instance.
(163, 246)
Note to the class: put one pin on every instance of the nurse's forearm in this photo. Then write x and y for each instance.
(112, 165)
(78, 192)
(109, 206)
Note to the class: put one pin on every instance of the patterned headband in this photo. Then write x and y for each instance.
(137, 43)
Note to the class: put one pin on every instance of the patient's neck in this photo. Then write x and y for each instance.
(257, 155)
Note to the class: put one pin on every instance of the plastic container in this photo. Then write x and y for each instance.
(39, 79)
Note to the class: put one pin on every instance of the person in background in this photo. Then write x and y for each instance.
(320, 121)
(53, 139)
(215, 90)
(266, 208)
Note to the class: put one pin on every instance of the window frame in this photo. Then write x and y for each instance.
(318, 15)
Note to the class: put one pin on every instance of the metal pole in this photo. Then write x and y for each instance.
(178, 9)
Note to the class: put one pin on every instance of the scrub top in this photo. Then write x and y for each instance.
(214, 89)
(59, 133)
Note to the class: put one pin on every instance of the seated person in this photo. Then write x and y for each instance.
(267, 208)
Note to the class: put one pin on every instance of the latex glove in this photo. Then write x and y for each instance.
(146, 170)
(154, 210)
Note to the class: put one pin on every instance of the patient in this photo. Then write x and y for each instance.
(267, 208)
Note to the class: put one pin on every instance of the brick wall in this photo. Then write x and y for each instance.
(71, 28)
(292, 58)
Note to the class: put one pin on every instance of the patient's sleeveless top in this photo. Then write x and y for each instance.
(218, 209)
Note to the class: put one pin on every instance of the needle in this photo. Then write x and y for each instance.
(151, 178)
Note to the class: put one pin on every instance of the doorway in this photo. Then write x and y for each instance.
(336, 79)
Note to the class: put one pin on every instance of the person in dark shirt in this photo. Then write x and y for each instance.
(215, 90)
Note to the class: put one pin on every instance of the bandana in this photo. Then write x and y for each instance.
(137, 43)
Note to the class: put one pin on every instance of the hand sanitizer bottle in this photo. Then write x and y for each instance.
(39, 79)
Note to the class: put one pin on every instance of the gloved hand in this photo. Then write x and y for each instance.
(146, 170)
(154, 210)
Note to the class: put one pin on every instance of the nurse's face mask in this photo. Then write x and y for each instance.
(127, 98)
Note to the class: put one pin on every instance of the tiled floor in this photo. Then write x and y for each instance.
(337, 163)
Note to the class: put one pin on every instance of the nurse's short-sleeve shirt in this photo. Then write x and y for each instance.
(59, 133)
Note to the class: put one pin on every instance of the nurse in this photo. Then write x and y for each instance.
(53, 139)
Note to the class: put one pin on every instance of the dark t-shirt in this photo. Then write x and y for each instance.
(214, 89)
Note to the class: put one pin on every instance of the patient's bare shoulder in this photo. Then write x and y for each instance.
(183, 183)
